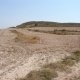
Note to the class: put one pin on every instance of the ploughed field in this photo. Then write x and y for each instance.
(39, 53)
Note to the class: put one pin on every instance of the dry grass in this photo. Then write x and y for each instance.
(66, 32)
(44, 74)
(76, 78)
(58, 32)
(25, 38)
(49, 71)
(66, 63)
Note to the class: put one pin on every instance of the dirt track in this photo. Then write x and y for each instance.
(17, 59)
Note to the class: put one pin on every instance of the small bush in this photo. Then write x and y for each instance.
(44, 74)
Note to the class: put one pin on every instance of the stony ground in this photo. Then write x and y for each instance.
(19, 58)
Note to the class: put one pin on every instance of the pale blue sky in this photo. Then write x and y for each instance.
(14, 12)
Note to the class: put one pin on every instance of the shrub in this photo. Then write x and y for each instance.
(44, 74)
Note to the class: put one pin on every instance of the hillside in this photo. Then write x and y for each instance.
(47, 24)
(37, 54)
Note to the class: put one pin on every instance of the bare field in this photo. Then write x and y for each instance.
(30, 55)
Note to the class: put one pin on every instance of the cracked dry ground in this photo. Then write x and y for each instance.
(52, 56)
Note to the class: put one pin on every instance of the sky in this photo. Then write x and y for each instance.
(15, 12)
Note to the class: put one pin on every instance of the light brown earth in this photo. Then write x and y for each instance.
(23, 51)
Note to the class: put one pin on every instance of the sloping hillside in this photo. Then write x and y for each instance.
(30, 55)
(47, 24)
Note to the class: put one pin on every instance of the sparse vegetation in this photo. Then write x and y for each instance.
(58, 32)
(49, 71)
(65, 63)
(44, 74)
(76, 78)
(66, 32)
(25, 38)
